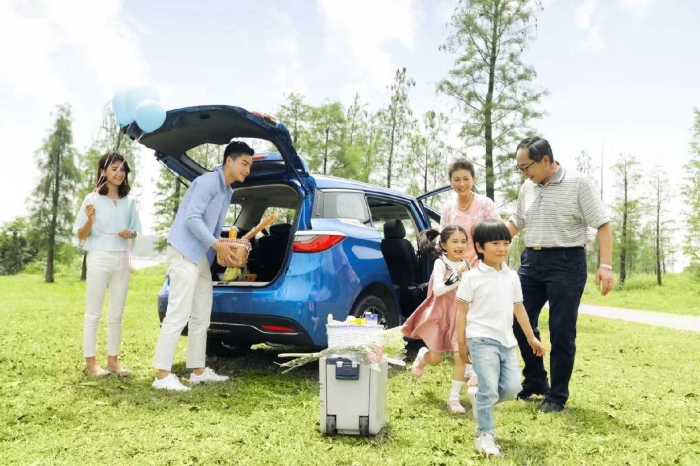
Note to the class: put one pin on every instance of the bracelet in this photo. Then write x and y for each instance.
(606, 267)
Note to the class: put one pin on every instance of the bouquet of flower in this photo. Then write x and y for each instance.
(389, 347)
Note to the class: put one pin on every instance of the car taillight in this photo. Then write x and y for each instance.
(316, 243)
(277, 328)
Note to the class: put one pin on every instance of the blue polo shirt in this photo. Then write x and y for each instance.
(201, 215)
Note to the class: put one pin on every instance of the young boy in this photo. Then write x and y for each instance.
(487, 298)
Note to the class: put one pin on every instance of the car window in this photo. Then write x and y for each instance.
(383, 210)
(346, 205)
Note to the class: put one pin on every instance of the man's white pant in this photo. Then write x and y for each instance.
(189, 303)
(105, 269)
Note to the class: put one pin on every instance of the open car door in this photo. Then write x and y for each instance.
(189, 127)
(430, 202)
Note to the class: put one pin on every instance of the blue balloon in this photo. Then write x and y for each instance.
(119, 108)
(149, 115)
(134, 97)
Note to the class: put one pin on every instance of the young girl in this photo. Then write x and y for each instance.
(107, 219)
(434, 320)
(487, 298)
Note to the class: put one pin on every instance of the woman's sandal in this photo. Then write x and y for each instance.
(121, 372)
(96, 373)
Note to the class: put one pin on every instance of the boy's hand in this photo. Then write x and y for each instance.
(537, 346)
(464, 352)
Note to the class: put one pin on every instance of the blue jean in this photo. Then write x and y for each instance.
(498, 370)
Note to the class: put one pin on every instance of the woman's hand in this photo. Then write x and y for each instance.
(127, 234)
(90, 212)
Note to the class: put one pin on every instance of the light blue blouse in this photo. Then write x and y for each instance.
(111, 217)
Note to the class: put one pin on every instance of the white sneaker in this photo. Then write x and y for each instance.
(418, 364)
(486, 444)
(207, 376)
(471, 393)
(170, 383)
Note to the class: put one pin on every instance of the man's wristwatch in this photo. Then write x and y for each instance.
(606, 267)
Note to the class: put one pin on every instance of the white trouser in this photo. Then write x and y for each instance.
(105, 269)
(189, 303)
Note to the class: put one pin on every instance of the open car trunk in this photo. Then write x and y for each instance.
(270, 248)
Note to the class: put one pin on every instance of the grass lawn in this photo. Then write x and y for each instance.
(635, 400)
(680, 294)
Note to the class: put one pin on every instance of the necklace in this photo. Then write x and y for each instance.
(469, 204)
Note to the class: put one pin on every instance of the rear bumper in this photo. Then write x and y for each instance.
(241, 329)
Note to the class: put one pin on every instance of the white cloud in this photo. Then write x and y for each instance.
(76, 51)
(584, 17)
(364, 29)
(636, 4)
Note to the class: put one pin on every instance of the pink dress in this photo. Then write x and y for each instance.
(433, 321)
(482, 208)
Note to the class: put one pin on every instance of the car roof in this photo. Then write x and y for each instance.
(332, 182)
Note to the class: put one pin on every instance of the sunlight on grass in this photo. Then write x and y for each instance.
(680, 294)
(635, 400)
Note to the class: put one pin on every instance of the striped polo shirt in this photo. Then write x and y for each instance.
(558, 214)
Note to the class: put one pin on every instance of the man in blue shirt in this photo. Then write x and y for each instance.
(193, 244)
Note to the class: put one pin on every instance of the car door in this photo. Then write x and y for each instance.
(431, 203)
(189, 127)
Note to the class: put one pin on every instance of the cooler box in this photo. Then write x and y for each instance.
(353, 396)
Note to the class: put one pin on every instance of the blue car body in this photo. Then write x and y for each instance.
(313, 282)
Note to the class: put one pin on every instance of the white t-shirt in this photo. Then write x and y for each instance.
(491, 295)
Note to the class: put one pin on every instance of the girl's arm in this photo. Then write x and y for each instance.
(438, 278)
(461, 324)
(524, 322)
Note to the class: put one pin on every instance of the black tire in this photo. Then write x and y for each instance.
(330, 425)
(217, 346)
(364, 426)
(375, 304)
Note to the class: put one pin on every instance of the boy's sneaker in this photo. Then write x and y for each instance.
(170, 383)
(418, 364)
(485, 444)
(471, 393)
(208, 376)
(455, 407)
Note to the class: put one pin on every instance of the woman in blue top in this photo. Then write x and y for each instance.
(105, 223)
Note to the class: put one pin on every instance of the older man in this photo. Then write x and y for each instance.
(554, 210)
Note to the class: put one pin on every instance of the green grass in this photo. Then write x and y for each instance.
(635, 400)
(680, 294)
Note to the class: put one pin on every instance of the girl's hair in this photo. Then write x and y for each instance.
(461, 164)
(426, 239)
(490, 230)
(103, 164)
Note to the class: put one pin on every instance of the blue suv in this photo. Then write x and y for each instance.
(339, 247)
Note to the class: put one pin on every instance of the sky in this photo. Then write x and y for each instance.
(622, 75)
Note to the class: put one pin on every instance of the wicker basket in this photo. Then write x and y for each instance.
(240, 248)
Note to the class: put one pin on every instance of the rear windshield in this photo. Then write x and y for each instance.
(347, 205)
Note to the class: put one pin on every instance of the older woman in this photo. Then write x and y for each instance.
(468, 208)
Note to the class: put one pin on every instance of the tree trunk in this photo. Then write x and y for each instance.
(50, 256)
(623, 248)
(658, 231)
(391, 152)
(83, 269)
(425, 173)
(488, 124)
(325, 154)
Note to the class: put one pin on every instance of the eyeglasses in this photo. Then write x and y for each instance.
(526, 167)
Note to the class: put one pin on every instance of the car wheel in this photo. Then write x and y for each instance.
(375, 305)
